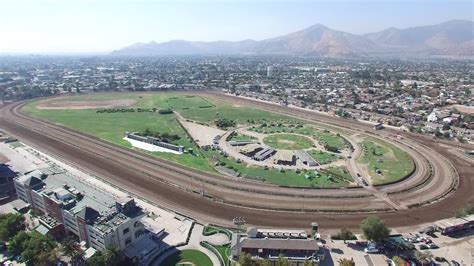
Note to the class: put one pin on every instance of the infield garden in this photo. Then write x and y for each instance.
(384, 161)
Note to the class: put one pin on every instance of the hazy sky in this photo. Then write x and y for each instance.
(71, 26)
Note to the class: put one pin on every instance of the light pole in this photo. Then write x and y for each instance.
(239, 221)
(344, 200)
(304, 190)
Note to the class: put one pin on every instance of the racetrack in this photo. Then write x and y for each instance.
(176, 187)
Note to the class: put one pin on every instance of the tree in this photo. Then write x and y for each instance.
(225, 123)
(96, 260)
(282, 261)
(374, 229)
(71, 248)
(112, 255)
(468, 209)
(398, 261)
(424, 257)
(245, 259)
(346, 234)
(17, 243)
(34, 247)
(10, 225)
(346, 262)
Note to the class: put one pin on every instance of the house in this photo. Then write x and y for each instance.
(432, 117)
(305, 158)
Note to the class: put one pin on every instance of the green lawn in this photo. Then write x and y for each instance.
(276, 176)
(393, 162)
(267, 128)
(112, 126)
(323, 136)
(224, 251)
(330, 138)
(188, 102)
(241, 115)
(323, 157)
(210, 230)
(185, 257)
(284, 141)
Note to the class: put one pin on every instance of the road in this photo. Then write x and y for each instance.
(174, 187)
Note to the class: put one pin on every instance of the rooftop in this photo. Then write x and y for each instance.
(286, 244)
(80, 198)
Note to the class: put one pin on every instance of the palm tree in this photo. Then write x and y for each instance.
(346, 262)
(112, 255)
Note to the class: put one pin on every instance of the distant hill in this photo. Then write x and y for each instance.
(450, 39)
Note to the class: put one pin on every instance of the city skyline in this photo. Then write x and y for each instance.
(56, 27)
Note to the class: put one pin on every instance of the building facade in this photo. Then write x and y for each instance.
(68, 205)
(296, 246)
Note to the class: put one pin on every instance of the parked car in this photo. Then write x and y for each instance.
(455, 263)
(371, 250)
(433, 246)
(423, 246)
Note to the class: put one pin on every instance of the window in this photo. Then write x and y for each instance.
(126, 230)
(128, 241)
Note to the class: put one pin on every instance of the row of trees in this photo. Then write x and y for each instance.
(34, 247)
(125, 110)
(38, 249)
(225, 123)
(372, 228)
(468, 209)
(26, 92)
(165, 137)
(10, 225)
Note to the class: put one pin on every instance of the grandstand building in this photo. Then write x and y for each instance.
(154, 141)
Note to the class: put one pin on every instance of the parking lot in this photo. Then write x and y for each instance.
(458, 249)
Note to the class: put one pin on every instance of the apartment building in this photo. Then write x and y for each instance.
(69, 205)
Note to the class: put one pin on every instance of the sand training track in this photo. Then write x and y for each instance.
(77, 105)
(438, 175)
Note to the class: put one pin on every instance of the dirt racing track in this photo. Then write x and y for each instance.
(440, 184)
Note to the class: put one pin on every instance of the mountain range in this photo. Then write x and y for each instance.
(453, 38)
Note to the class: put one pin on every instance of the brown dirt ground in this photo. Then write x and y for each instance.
(76, 105)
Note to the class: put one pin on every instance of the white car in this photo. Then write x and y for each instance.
(371, 250)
